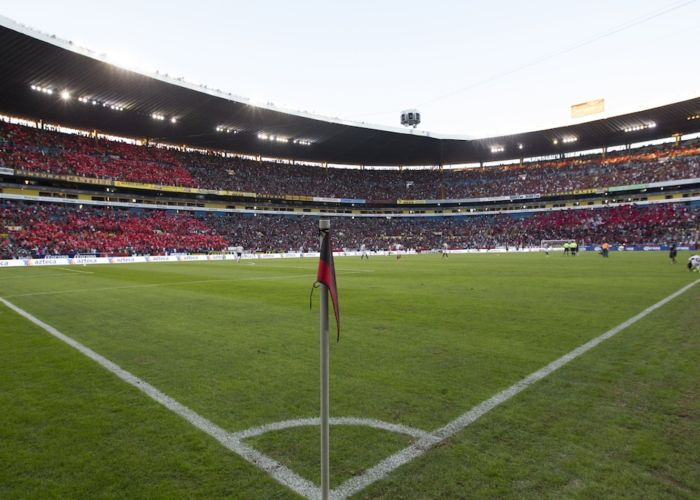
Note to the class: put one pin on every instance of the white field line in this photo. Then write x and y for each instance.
(278, 471)
(316, 421)
(173, 283)
(415, 450)
(73, 270)
(288, 478)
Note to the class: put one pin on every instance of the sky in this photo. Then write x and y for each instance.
(472, 68)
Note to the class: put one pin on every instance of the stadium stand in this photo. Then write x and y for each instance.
(43, 151)
(38, 230)
(36, 150)
(649, 165)
(47, 229)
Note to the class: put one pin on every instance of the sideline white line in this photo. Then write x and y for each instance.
(278, 471)
(388, 465)
(73, 270)
(287, 477)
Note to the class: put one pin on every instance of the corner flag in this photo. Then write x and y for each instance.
(326, 275)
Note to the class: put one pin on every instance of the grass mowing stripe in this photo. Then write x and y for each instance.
(279, 472)
(153, 285)
(174, 283)
(386, 466)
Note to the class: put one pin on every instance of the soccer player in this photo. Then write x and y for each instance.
(445, 249)
(239, 253)
(398, 251)
(694, 263)
(545, 247)
(364, 254)
(673, 253)
(604, 249)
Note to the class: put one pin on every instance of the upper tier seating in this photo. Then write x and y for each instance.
(36, 150)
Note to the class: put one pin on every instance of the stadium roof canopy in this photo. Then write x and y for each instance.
(36, 69)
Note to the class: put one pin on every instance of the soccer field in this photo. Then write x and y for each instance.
(423, 341)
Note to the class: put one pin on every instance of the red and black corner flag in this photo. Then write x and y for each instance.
(326, 275)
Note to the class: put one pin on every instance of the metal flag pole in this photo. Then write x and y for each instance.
(324, 225)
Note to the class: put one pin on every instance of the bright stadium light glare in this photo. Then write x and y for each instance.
(173, 120)
(639, 126)
(65, 95)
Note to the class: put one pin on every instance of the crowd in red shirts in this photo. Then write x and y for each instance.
(54, 229)
(38, 150)
(48, 229)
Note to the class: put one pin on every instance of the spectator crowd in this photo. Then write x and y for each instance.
(44, 151)
(29, 229)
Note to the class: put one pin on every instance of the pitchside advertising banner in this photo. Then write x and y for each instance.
(636, 248)
(75, 261)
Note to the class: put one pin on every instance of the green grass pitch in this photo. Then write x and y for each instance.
(423, 340)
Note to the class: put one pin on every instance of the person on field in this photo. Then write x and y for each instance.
(673, 253)
(694, 263)
(445, 249)
(364, 254)
(604, 248)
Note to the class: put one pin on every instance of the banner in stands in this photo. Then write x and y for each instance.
(6, 171)
(324, 200)
(68, 178)
(628, 187)
(525, 196)
(181, 189)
